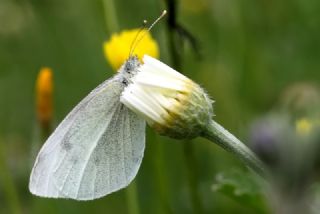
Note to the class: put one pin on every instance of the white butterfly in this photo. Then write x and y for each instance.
(97, 149)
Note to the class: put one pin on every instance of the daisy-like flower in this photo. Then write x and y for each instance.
(175, 106)
(117, 49)
(44, 93)
(170, 102)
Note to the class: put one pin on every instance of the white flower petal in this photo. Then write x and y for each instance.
(160, 82)
(162, 67)
(140, 107)
(155, 90)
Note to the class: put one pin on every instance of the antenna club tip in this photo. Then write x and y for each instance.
(164, 12)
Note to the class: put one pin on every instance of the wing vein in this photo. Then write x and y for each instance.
(92, 148)
(122, 142)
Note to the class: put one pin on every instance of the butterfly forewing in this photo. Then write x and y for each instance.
(97, 148)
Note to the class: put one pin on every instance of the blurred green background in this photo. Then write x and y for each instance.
(250, 52)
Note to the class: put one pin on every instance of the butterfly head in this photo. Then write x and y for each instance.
(129, 69)
(131, 64)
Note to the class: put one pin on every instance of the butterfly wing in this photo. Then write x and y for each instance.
(97, 149)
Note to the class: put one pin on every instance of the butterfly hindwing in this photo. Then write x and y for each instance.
(97, 149)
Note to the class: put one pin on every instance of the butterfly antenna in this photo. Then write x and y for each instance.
(136, 36)
(137, 40)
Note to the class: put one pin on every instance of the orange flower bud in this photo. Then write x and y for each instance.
(44, 92)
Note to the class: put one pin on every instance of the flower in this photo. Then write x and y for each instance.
(117, 49)
(170, 102)
(304, 126)
(44, 92)
(269, 136)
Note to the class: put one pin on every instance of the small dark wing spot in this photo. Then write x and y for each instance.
(96, 160)
(65, 145)
(74, 159)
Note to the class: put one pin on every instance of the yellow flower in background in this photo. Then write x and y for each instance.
(304, 126)
(44, 92)
(116, 50)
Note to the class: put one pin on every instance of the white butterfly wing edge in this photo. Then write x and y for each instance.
(97, 149)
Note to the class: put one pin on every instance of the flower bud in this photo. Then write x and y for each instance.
(170, 102)
(44, 94)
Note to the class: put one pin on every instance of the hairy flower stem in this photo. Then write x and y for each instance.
(217, 134)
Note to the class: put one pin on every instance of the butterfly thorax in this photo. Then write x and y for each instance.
(129, 69)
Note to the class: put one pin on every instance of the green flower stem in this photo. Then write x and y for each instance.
(161, 176)
(132, 198)
(110, 15)
(192, 176)
(7, 183)
(217, 134)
